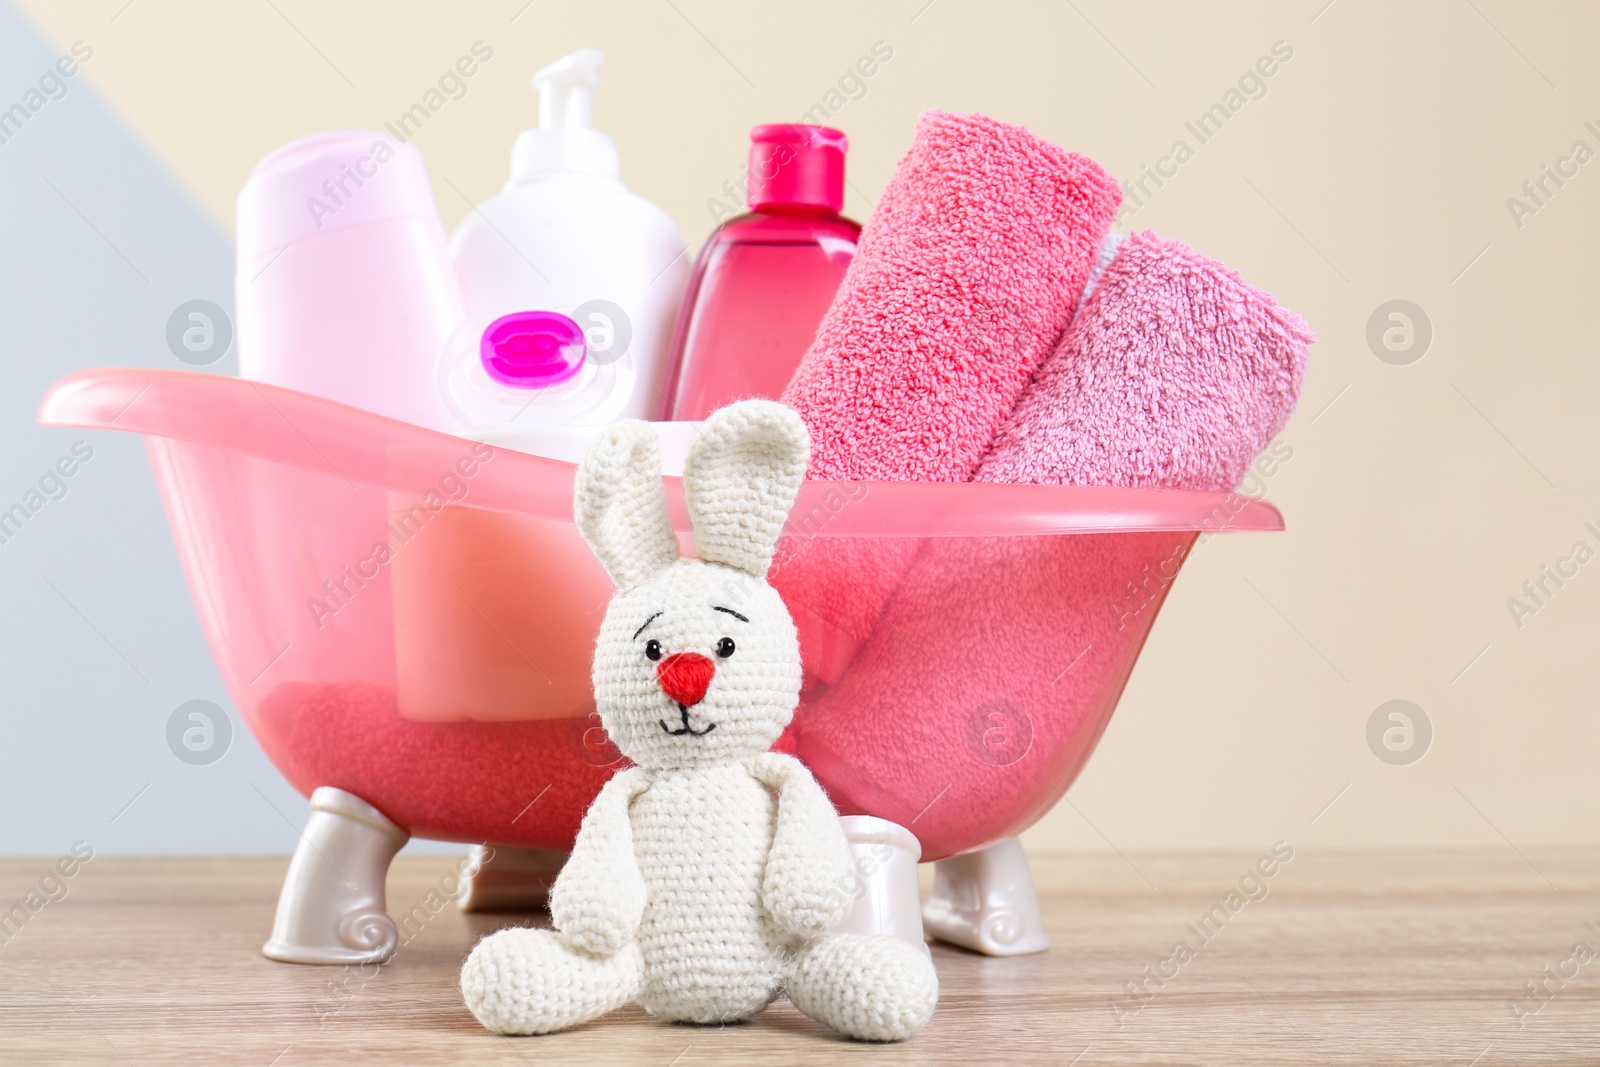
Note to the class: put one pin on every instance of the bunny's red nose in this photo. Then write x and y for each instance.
(685, 677)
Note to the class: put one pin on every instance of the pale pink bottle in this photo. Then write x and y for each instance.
(344, 288)
(764, 280)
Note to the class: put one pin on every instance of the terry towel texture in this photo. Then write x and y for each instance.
(1176, 373)
(966, 274)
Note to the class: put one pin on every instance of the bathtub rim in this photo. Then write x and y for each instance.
(298, 429)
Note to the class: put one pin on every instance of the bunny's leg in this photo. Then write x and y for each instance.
(523, 981)
(870, 987)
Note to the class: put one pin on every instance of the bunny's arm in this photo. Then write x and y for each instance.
(810, 881)
(598, 898)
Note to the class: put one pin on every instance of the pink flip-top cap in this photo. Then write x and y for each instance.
(532, 349)
(795, 165)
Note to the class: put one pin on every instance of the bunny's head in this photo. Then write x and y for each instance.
(697, 661)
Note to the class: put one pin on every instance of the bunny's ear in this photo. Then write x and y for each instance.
(620, 507)
(741, 478)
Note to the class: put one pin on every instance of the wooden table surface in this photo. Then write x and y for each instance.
(1392, 958)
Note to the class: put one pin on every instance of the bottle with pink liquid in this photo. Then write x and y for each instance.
(764, 279)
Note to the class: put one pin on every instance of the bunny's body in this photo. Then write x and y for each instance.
(705, 878)
(736, 953)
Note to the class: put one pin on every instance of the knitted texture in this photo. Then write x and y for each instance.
(523, 981)
(620, 507)
(740, 479)
(966, 273)
(1176, 373)
(702, 877)
(888, 991)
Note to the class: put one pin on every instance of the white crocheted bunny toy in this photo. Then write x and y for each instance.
(705, 878)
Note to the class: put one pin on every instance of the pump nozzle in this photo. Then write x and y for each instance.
(566, 89)
(565, 142)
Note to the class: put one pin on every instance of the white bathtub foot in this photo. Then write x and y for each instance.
(985, 901)
(887, 901)
(510, 879)
(332, 906)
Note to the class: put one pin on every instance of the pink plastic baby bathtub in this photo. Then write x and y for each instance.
(408, 616)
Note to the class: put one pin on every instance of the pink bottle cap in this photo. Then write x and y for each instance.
(532, 349)
(794, 165)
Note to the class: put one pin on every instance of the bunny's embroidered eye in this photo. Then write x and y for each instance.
(725, 647)
(652, 649)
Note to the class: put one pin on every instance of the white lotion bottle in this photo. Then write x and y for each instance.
(566, 235)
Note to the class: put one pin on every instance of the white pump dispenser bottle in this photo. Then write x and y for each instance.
(566, 235)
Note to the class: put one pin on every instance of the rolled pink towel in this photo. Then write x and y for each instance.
(967, 272)
(1176, 373)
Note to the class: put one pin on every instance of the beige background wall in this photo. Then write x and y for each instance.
(1377, 166)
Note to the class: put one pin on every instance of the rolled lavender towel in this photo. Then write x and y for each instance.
(967, 272)
(1176, 372)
